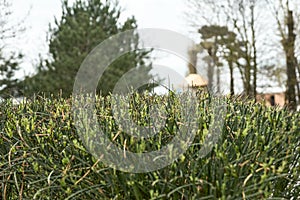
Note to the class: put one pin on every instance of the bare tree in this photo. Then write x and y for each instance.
(287, 26)
(9, 64)
(8, 29)
(241, 16)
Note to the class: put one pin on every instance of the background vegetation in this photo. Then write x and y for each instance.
(258, 40)
(82, 26)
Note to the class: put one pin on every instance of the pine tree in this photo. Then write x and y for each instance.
(83, 26)
(8, 81)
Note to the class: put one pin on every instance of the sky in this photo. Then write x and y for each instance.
(38, 14)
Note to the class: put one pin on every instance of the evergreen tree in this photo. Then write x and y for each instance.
(8, 81)
(83, 26)
(221, 43)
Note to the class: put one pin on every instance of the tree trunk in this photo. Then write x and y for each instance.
(215, 62)
(231, 78)
(218, 80)
(289, 47)
(211, 68)
(210, 73)
(193, 61)
(254, 53)
(248, 75)
(298, 88)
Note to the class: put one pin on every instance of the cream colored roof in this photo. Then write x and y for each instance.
(195, 80)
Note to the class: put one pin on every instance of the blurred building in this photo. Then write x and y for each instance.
(272, 99)
(193, 82)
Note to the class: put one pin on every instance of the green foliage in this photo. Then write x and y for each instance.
(42, 156)
(82, 27)
(8, 81)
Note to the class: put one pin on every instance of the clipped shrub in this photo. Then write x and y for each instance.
(42, 156)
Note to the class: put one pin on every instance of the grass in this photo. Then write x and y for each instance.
(43, 157)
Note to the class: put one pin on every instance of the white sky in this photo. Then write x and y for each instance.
(167, 14)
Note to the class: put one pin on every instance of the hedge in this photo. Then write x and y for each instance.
(43, 157)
